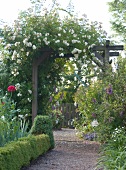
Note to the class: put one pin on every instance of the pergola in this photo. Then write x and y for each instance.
(46, 52)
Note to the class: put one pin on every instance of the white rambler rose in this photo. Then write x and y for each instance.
(8, 46)
(79, 51)
(64, 31)
(75, 50)
(59, 35)
(86, 43)
(3, 117)
(17, 43)
(76, 56)
(60, 28)
(13, 38)
(65, 42)
(14, 53)
(18, 61)
(75, 78)
(29, 44)
(30, 91)
(34, 47)
(17, 86)
(71, 31)
(25, 41)
(27, 54)
(29, 99)
(75, 41)
(47, 34)
(74, 35)
(18, 55)
(60, 49)
(19, 94)
(39, 40)
(61, 54)
(89, 37)
(47, 42)
(13, 57)
(48, 76)
(57, 41)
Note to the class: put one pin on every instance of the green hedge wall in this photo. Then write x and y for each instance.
(17, 154)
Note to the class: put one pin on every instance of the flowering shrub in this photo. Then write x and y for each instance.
(32, 33)
(104, 100)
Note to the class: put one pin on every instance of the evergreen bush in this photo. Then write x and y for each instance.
(43, 125)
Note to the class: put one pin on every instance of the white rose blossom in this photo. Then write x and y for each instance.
(18, 61)
(30, 91)
(19, 94)
(27, 54)
(57, 41)
(34, 47)
(29, 99)
(75, 41)
(61, 54)
(17, 86)
(17, 43)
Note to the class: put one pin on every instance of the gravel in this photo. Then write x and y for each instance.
(70, 153)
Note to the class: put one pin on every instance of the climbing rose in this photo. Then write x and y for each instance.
(11, 88)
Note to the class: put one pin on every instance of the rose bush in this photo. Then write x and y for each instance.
(33, 32)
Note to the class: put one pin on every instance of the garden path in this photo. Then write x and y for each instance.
(70, 153)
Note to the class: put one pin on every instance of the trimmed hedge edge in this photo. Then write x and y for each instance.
(19, 153)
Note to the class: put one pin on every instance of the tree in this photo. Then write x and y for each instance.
(118, 10)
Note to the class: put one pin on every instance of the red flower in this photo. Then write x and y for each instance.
(11, 88)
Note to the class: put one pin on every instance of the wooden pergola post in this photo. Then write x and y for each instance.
(104, 58)
(36, 62)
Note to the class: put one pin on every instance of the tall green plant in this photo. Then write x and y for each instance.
(12, 125)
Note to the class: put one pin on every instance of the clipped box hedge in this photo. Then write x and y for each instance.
(43, 125)
(19, 153)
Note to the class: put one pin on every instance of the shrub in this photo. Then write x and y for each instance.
(19, 153)
(105, 101)
(43, 125)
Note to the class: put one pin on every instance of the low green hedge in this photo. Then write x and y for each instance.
(19, 153)
(43, 125)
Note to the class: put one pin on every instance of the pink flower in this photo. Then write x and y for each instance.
(11, 88)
